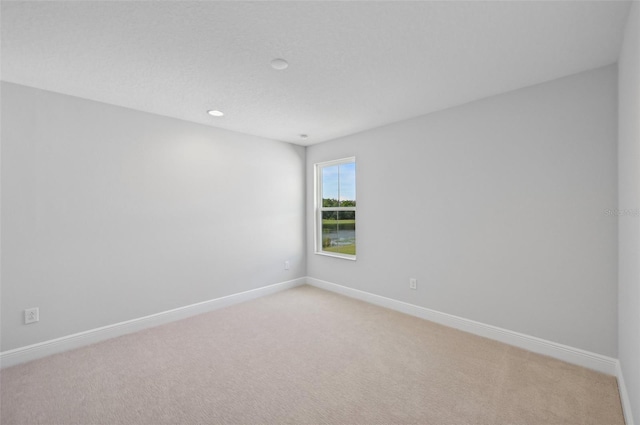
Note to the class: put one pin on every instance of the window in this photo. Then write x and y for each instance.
(336, 208)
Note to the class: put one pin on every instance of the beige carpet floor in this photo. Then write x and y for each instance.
(304, 356)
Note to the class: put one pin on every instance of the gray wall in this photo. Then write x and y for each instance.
(629, 209)
(110, 214)
(498, 207)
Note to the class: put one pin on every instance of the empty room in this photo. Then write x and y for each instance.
(320, 212)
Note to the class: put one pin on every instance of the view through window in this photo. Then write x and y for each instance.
(336, 208)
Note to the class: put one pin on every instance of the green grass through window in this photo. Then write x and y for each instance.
(344, 249)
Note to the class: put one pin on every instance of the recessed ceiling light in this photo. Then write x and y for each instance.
(279, 64)
(215, 113)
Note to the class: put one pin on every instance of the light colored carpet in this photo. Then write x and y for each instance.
(305, 356)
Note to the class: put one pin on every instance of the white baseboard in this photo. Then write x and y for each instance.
(42, 349)
(562, 352)
(624, 395)
(572, 355)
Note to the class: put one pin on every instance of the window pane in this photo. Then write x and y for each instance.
(347, 184)
(336, 189)
(339, 232)
(330, 186)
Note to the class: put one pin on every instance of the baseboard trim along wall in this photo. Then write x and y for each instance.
(65, 343)
(562, 352)
(537, 345)
(624, 395)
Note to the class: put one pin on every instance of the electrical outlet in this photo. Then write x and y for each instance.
(287, 266)
(31, 315)
(413, 283)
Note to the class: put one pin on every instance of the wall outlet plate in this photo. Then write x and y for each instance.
(31, 315)
(413, 283)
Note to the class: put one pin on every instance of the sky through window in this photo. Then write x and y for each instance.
(339, 182)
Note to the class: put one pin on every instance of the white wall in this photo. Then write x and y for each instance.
(629, 207)
(110, 214)
(497, 207)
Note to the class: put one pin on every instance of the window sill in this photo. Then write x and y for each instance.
(344, 257)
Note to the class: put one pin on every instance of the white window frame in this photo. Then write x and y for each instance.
(318, 208)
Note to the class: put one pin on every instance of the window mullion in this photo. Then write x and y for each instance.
(337, 208)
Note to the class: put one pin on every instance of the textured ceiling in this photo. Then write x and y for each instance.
(352, 65)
